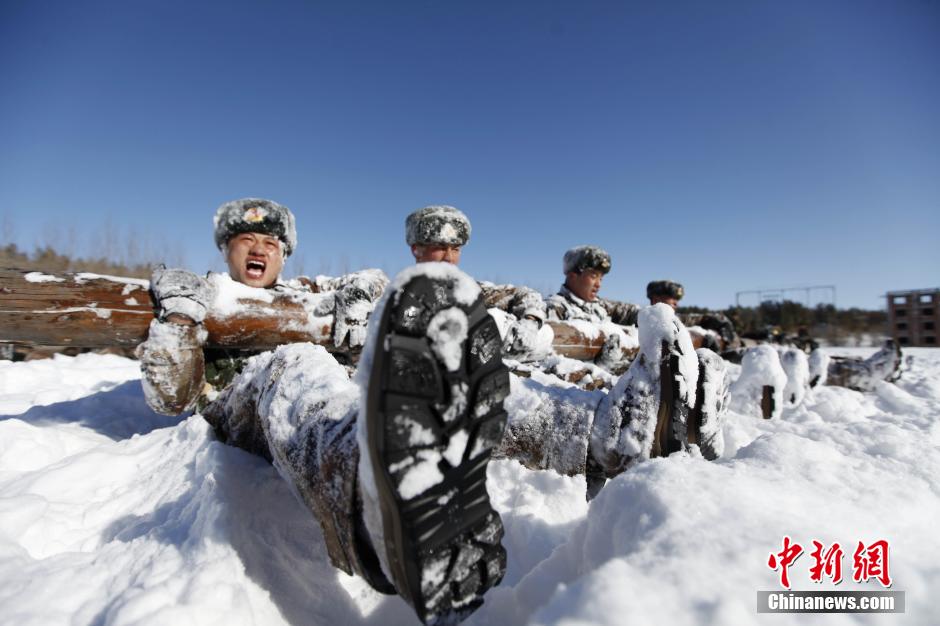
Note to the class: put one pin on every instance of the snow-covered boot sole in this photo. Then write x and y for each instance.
(434, 412)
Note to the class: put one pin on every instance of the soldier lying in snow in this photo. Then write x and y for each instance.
(709, 330)
(584, 268)
(393, 465)
(438, 234)
(255, 236)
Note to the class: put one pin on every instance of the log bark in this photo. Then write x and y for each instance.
(571, 342)
(92, 311)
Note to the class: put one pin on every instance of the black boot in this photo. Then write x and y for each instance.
(433, 413)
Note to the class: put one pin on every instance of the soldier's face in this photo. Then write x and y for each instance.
(424, 253)
(665, 299)
(254, 259)
(586, 284)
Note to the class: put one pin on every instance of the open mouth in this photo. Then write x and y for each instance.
(255, 268)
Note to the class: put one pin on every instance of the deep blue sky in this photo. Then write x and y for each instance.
(728, 145)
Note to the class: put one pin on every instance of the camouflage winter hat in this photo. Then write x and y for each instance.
(583, 258)
(443, 225)
(664, 289)
(255, 215)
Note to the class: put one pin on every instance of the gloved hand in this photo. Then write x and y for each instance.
(612, 356)
(351, 316)
(172, 366)
(180, 292)
(521, 338)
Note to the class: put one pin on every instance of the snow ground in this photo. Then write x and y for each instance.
(110, 514)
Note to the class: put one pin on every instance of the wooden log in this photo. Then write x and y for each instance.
(576, 342)
(93, 311)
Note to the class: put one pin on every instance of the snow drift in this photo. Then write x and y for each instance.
(111, 514)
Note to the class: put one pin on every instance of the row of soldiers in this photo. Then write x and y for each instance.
(392, 463)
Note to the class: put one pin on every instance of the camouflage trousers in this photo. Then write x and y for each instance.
(297, 407)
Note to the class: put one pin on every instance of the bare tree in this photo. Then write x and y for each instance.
(297, 264)
(7, 230)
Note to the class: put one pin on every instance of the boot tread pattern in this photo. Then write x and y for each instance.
(438, 428)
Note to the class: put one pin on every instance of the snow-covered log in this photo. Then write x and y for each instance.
(95, 311)
(575, 342)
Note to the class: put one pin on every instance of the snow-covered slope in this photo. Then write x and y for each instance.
(110, 514)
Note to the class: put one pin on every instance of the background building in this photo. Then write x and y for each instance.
(914, 316)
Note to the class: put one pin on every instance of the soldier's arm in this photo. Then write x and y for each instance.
(712, 321)
(172, 366)
(355, 297)
(522, 302)
(555, 308)
(172, 363)
(623, 313)
(371, 283)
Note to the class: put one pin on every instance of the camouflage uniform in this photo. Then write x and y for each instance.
(193, 376)
(520, 302)
(564, 305)
(246, 395)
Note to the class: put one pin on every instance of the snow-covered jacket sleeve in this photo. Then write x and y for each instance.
(371, 283)
(712, 321)
(622, 313)
(172, 366)
(354, 297)
(520, 301)
(556, 308)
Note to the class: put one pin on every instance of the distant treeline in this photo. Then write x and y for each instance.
(824, 321)
(46, 259)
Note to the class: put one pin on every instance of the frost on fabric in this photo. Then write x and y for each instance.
(192, 309)
(447, 332)
(629, 336)
(310, 381)
(39, 277)
(548, 424)
(504, 321)
(760, 367)
(714, 389)
(818, 367)
(583, 374)
(657, 324)
(625, 423)
(796, 367)
(167, 361)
